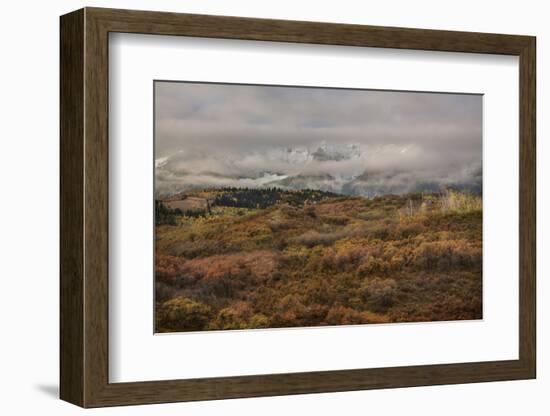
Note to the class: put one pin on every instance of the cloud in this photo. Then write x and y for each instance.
(235, 135)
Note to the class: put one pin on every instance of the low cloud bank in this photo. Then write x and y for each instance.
(347, 141)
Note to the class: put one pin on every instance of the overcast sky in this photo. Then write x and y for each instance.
(246, 135)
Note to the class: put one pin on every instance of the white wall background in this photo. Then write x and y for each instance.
(29, 215)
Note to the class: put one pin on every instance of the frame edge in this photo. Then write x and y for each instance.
(72, 298)
(528, 208)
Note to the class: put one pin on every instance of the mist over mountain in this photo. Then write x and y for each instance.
(354, 142)
(348, 170)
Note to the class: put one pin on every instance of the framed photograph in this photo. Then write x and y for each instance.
(254, 207)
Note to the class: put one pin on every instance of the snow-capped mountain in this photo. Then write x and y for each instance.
(342, 168)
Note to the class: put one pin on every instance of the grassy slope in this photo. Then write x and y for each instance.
(341, 261)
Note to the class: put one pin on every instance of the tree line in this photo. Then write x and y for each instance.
(266, 197)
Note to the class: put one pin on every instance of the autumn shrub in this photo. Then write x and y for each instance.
(343, 258)
(259, 264)
(290, 302)
(224, 275)
(197, 248)
(336, 219)
(373, 214)
(454, 201)
(397, 263)
(222, 286)
(279, 225)
(315, 314)
(291, 212)
(168, 268)
(377, 230)
(176, 271)
(380, 294)
(313, 238)
(339, 261)
(341, 315)
(337, 206)
(259, 321)
(183, 314)
(237, 316)
(372, 266)
(310, 211)
(446, 308)
(443, 255)
(164, 291)
(289, 310)
(319, 291)
(351, 256)
(408, 229)
(294, 257)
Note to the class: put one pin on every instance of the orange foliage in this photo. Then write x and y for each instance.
(341, 261)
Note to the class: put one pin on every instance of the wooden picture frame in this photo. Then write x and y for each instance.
(84, 207)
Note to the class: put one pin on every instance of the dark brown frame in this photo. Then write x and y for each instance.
(84, 210)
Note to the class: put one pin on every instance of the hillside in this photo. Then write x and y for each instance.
(275, 258)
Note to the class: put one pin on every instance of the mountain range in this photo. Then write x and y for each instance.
(343, 169)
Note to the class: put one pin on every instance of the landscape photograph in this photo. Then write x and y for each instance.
(291, 206)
